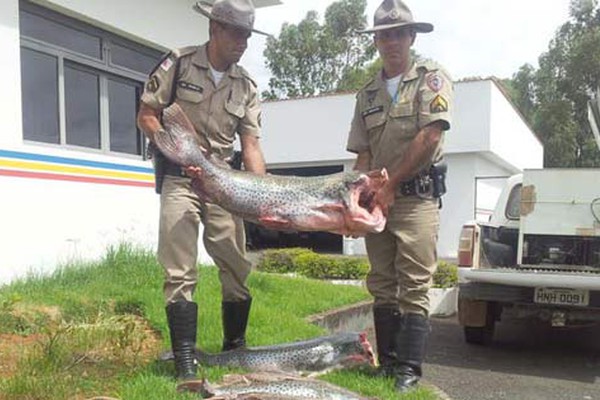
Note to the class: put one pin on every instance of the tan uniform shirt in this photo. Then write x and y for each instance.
(385, 126)
(217, 111)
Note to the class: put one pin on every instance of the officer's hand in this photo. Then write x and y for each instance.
(194, 172)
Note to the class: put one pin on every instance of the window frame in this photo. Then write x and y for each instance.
(103, 67)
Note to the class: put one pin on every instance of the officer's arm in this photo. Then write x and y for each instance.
(363, 160)
(252, 154)
(418, 155)
(148, 120)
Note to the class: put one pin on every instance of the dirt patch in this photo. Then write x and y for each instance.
(140, 344)
(12, 349)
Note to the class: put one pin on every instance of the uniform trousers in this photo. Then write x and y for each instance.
(404, 257)
(181, 212)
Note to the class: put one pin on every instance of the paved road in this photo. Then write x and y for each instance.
(525, 362)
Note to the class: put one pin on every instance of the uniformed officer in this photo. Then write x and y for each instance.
(399, 121)
(221, 100)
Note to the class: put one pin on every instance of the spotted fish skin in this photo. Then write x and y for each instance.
(276, 387)
(340, 203)
(319, 354)
(313, 355)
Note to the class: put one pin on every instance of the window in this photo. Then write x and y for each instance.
(39, 83)
(513, 207)
(80, 85)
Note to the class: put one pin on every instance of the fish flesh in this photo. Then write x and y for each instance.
(314, 355)
(342, 203)
(270, 386)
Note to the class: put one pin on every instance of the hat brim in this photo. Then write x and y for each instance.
(206, 11)
(420, 27)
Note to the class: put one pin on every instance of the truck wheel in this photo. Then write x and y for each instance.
(479, 335)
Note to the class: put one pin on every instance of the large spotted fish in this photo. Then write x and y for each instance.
(314, 355)
(270, 386)
(340, 203)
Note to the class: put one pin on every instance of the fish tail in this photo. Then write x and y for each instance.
(176, 116)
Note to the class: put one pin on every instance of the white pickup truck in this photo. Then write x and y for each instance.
(539, 254)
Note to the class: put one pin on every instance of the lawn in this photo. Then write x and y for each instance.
(96, 329)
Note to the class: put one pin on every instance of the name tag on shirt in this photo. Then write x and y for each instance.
(371, 111)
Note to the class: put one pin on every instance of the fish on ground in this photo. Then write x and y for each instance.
(342, 203)
(320, 354)
(272, 386)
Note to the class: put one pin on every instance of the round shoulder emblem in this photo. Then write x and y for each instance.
(435, 82)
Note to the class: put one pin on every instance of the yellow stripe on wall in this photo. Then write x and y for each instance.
(35, 166)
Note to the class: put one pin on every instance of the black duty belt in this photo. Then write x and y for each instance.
(173, 169)
(428, 184)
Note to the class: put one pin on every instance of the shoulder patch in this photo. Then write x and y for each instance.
(438, 105)
(164, 58)
(434, 81)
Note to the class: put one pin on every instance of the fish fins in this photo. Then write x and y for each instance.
(175, 116)
(275, 223)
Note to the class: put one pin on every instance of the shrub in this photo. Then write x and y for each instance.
(313, 265)
(446, 275)
(307, 263)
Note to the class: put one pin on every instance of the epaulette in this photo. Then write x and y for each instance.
(369, 82)
(184, 51)
(176, 53)
(429, 65)
(246, 75)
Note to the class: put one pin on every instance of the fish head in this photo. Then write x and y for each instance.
(363, 215)
(352, 348)
(179, 141)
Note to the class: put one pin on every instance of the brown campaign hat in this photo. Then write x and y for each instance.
(395, 14)
(238, 13)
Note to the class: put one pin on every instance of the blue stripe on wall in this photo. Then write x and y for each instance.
(72, 161)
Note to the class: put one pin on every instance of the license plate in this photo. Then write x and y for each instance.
(568, 297)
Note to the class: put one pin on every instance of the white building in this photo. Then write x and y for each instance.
(73, 178)
(488, 142)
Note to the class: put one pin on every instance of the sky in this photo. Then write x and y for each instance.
(471, 38)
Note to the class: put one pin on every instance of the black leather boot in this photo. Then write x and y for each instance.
(387, 323)
(235, 320)
(182, 317)
(411, 342)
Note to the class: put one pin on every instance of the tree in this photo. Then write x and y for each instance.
(554, 97)
(312, 58)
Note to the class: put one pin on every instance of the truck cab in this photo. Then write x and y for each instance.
(538, 257)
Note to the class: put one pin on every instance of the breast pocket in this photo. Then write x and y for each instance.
(190, 96)
(374, 119)
(235, 111)
(404, 118)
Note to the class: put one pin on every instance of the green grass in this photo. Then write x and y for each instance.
(88, 338)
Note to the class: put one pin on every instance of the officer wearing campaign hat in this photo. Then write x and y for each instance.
(399, 122)
(221, 100)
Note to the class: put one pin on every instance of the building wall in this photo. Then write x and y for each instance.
(58, 204)
(507, 128)
(313, 131)
(307, 130)
(169, 24)
(470, 117)
(10, 111)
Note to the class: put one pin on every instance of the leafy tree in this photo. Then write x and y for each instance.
(313, 58)
(554, 97)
